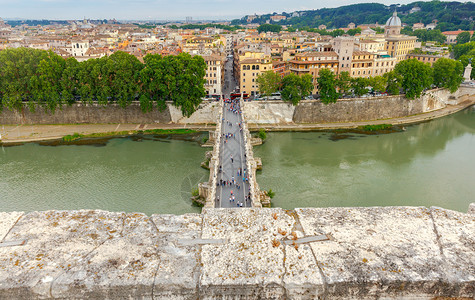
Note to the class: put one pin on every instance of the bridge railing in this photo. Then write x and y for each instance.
(250, 163)
(215, 161)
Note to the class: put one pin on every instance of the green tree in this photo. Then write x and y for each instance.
(326, 85)
(463, 37)
(269, 28)
(393, 81)
(19, 72)
(70, 80)
(359, 86)
(416, 76)
(354, 31)
(46, 86)
(295, 87)
(184, 81)
(343, 83)
(43, 79)
(463, 49)
(448, 73)
(153, 87)
(378, 83)
(269, 82)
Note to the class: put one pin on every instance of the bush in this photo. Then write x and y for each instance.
(70, 138)
(376, 127)
(195, 192)
(262, 134)
(270, 193)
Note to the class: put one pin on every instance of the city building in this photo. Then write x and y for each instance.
(251, 64)
(277, 18)
(425, 58)
(344, 47)
(452, 35)
(312, 62)
(214, 74)
(362, 64)
(397, 45)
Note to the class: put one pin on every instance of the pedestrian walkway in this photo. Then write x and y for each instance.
(232, 184)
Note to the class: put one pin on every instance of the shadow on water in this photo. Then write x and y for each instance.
(103, 141)
(398, 145)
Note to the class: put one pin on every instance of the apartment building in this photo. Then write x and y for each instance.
(425, 58)
(251, 64)
(373, 45)
(383, 64)
(344, 47)
(362, 64)
(312, 62)
(214, 74)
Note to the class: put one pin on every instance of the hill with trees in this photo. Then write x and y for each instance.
(449, 15)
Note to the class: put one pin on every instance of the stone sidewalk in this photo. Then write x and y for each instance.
(373, 252)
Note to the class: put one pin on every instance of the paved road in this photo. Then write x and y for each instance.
(232, 147)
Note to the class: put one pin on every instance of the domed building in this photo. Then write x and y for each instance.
(397, 45)
(393, 25)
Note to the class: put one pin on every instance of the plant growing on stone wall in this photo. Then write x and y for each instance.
(270, 193)
(262, 134)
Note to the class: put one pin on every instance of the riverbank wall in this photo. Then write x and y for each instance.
(258, 112)
(353, 110)
(80, 113)
(306, 253)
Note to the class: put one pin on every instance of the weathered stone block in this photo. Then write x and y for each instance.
(377, 251)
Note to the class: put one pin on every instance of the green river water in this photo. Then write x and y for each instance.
(428, 164)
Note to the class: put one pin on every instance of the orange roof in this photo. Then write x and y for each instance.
(456, 32)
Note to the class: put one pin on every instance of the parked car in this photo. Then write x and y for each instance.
(275, 96)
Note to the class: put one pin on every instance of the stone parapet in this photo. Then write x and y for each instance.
(251, 163)
(210, 195)
(306, 253)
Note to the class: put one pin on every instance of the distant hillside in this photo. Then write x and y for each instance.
(450, 15)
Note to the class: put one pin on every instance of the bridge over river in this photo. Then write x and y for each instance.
(232, 181)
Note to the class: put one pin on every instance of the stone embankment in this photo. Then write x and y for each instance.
(346, 112)
(79, 113)
(331, 253)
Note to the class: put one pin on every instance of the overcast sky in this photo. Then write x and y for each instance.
(159, 9)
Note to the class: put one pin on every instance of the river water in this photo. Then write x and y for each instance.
(150, 176)
(429, 164)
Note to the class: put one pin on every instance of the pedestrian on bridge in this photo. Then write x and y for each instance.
(232, 160)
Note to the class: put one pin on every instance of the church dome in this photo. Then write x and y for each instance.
(394, 20)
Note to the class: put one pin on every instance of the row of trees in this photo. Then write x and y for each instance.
(44, 79)
(411, 76)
